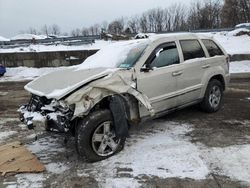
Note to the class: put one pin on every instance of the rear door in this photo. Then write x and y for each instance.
(192, 69)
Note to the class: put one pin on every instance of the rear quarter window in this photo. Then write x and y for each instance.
(191, 49)
(212, 48)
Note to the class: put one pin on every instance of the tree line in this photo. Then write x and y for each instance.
(201, 14)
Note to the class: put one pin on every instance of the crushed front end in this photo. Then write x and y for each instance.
(55, 115)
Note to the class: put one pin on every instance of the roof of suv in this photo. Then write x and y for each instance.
(179, 36)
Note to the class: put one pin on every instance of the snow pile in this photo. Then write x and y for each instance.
(111, 55)
(28, 37)
(240, 67)
(144, 35)
(233, 44)
(3, 39)
(237, 32)
(242, 25)
(26, 73)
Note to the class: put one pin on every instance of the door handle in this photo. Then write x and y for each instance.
(206, 66)
(178, 73)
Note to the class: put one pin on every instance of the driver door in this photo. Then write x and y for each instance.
(157, 80)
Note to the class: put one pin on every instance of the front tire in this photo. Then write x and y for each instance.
(95, 137)
(212, 100)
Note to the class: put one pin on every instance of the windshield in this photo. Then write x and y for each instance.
(132, 57)
(116, 55)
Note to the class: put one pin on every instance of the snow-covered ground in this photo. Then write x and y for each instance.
(169, 153)
(28, 37)
(240, 67)
(232, 44)
(2, 39)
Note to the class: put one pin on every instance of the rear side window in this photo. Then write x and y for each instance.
(165, 55)
(212, 48)
(191, 49)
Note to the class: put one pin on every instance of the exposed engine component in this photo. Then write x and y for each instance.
(56, 114)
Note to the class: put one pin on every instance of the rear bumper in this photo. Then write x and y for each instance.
(227, 80)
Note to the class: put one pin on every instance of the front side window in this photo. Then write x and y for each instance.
(191, 49)
(165, 55)
(212, 48)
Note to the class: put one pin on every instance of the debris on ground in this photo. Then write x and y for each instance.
(15, 158)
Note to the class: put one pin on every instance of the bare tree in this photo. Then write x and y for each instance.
(85, 31)
(133, 24)
(116, 27)
(230, 13)
(32, 30)
(97, 29)
(104, 26)
(76, 32)
(244, 10)
(45, 30)
(205, 15)
(144, 23)
(55, 29)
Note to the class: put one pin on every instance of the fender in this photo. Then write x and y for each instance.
(86, 98)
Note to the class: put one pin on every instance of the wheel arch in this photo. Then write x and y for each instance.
(220, 78)
(131, 105)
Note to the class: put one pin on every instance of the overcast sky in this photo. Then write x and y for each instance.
(17, 15)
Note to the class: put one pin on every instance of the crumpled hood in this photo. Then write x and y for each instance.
(60, 83)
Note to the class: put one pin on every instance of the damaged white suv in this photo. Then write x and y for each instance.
(125, 83)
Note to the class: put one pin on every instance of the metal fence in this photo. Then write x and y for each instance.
(79, 40)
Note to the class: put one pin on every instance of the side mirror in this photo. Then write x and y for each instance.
(146, 68)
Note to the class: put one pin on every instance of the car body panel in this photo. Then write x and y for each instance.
(60, 83)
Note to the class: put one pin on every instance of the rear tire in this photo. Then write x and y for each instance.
(212, 100)
(95, 137)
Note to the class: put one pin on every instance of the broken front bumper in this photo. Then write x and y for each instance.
(50, 114)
